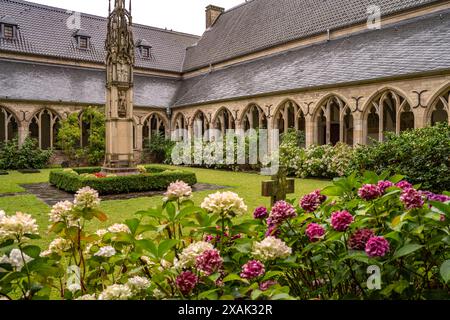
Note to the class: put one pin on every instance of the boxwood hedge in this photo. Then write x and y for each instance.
(156, 178)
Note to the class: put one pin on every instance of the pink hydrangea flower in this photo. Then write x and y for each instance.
(383, 185)
(314, 232)
(404, 184)
(377, 247)
(260, 213)
(358, 240)
(264, 286)
(281, 212)
(412, 199)
(209, 262)
(341, 220)
(312, 201)
(252, 269)
(186, 282)
(272, 229)
(178, 190)
(369, 192)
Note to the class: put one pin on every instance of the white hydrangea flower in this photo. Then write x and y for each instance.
(116, 228)
(87, 297)
(58, 246)
(228, 203)
(101, 232)
(106, 252)
(15, 227)
(178, 190)
(137, 284)
(74, 287)
(158, 294)
(116, 292)
(189, 254)
(62, 212)
(271, 248)
(15, 259)
(147, 261)
(87, 198)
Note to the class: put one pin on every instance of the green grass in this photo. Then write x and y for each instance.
(11, 182)
(247, 185)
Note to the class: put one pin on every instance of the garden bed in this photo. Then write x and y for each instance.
(156, 178)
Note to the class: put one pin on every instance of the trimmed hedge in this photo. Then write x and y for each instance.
(156, 178)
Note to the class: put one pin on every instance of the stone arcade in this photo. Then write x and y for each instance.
(314, 66)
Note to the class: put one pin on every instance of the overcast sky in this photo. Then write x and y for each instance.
(179, 15)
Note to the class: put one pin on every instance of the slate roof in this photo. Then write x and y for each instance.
(43, 31)
(30, 81)
(415, 46)
(260, 24)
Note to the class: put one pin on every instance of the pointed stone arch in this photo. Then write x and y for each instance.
(153, 123)
(333, 120)
(223, 120)
(200, 124)
(387, 110)
(253, 117)
(289, 115)
(439, 107)
(44, 126)
(9, 125)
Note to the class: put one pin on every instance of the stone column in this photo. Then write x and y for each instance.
(23, 131)
(309, 131)
(358, 129)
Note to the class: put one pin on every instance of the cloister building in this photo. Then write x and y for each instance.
(322, 67)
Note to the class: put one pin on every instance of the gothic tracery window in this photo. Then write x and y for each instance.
(440, 108)
(224, 120)
(154, 124)
(254, 118)
(290, 116)
(334, 122)
(200, 125)
(391, 112)
(44, 127)
(8, 125)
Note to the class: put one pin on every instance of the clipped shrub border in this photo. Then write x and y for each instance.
(156, 178)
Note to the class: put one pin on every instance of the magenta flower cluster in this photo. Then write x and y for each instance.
(312, 201)
(186, 282)
(358, 240)
(252, 269)
(377, 247)
(341, 220)
(314, 232)
(264, 286)
(281, 212)
(383, 185)
(369, 192)
(412, 199)
(209, 262)
(435, 197)
(260, 213)
(404, 185)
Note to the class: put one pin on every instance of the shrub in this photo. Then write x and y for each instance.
(159, 148)
(422, 155)
(26, 156)
(155, 179)
(69, 136)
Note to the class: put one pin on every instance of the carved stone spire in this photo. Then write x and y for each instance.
(120, 59)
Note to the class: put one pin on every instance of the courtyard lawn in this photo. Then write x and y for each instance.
(247, 185)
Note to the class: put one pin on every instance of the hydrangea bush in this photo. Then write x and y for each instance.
(318, 247)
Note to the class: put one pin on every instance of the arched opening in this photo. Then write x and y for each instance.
(153, 125)
(200, 125)
(440, 108)
(334, 122)
(8, 125)
(395, 112)
(85, 127)
(254, 118)
(290, 116)
(44, 128)
(180, 126)
(224, 120)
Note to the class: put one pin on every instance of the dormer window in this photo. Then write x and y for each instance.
(144, 49)
(83, 39)
(8, 27)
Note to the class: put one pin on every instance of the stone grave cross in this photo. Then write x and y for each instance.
(279, 186)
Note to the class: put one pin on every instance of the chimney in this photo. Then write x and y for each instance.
(212, 13)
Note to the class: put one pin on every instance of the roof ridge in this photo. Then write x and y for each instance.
(97, 17)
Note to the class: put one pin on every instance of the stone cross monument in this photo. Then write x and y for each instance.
(119, 91)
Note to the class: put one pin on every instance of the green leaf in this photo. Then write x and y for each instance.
(187, 211)
(170, 209)
(445, 271)
(149, 246)
(32, 251)
(444, 208)
(133, 224)
(332, 191)
(165, 246)
(208, 295)
(100, 215)
(155, 212)
(407, 249)
(232, 277)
